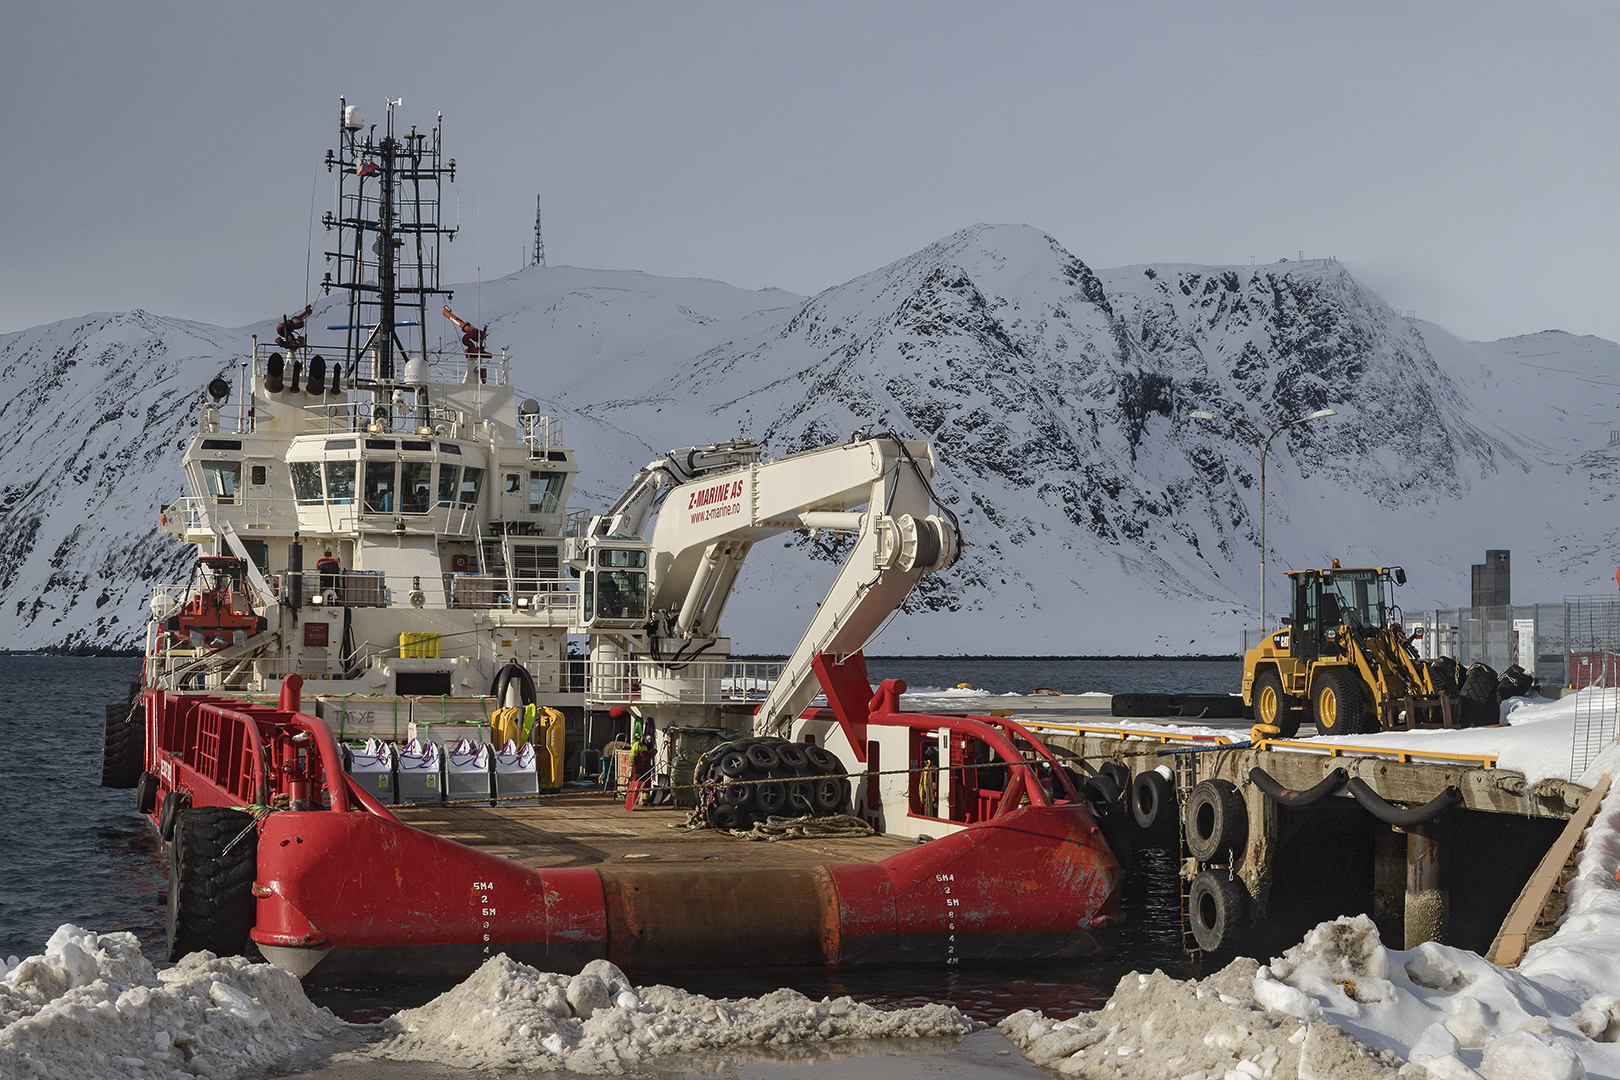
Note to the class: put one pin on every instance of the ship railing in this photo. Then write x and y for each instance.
(694, 682)
(373, 588)
(344, 588)
(541, 434)
(242, 510)
(534, 596)
(579, 522)
(231, 417)
(219, 745)
(364, 418)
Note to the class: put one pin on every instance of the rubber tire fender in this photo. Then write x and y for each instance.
(1118, 772)
(734, 763)
(211, 904)
(763, 757)
(1341, 696)
(830, 794)
(1285, 710)
(122, 748)
(823, 761)
(1216, 819)
(801, 800)
(173, 803)
(146, 789)
(1153, 798)
(1102, 795)
(792, 757)
(1216, 905)
(771, 797)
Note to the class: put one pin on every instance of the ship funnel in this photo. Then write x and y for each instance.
(353, 118)
(272, 374)
(317, 375)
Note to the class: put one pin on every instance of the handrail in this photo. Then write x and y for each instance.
(261, 782)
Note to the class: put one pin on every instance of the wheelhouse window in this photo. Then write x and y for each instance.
(415, 486)
(617, 593)
(471, 479)
(340, 482)
(545, 491)
(222, 478)
(448, 475)
(306, 478)
(380, 487)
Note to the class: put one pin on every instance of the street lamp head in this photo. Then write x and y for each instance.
(1319, 413)
(1200, 414)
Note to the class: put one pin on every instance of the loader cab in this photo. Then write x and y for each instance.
(613, 587)
(1326, 600)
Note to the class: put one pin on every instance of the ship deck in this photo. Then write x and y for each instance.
(594, 829)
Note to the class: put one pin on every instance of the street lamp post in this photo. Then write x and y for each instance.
(1263, 446)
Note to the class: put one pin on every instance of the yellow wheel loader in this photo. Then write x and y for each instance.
(1344, 661)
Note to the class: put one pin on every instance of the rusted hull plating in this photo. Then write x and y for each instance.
(347, 898)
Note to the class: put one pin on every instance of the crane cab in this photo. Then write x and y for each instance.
(613, 586)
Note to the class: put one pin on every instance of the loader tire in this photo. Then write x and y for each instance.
(1216, 820)
(1443, 674)
(1143, 705)
(1340, 705)
(1515, 682)
(1478, 696)
(1272, 706)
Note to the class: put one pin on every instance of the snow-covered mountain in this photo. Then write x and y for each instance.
(1100, 518)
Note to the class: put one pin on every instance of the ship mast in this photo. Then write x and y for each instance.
(388, 202)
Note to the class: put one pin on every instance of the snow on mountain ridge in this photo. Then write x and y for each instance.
(1099, 517)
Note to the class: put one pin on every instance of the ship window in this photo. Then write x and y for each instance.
(620, 557)
(545, 491)
(306, 478)
(450, 448)
(222, 444)
(256, 476)
(448, 475)
(471, 478)
(222, 479)
(340, 444)
(379, 444)
(621, 594)
(259, 551)
(414, 444)
(340, 481)
(415, 486)
(557, 455)
(380, 487)
(590, 595)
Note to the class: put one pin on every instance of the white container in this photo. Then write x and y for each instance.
(516, 770)
(375, 767)
(421, 772)
(469, 770)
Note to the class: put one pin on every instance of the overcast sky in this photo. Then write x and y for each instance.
(1461, 157)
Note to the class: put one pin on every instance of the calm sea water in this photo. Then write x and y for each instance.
(72, 851)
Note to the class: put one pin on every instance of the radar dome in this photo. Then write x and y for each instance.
(529, 407)
(416, 371)
(353, 118)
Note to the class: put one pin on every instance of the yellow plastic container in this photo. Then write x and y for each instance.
(419, 646)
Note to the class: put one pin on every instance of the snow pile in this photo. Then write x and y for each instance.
(508, 1015)
(91, 1005)
(1339, 1004)
(1159, 1028)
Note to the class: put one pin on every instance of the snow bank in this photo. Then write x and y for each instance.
(1339, 1004)
(509, 1015)
(1537, 740)
(1159, 1028)
(92, 1006)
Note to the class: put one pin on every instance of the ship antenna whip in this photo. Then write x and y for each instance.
(309, 253)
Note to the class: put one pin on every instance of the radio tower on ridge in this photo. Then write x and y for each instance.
(539, 240)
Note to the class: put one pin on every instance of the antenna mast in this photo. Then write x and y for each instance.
(539, 240)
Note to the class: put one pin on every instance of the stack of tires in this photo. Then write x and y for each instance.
(750, 780)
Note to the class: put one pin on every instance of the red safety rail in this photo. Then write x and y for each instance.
(224, 752)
